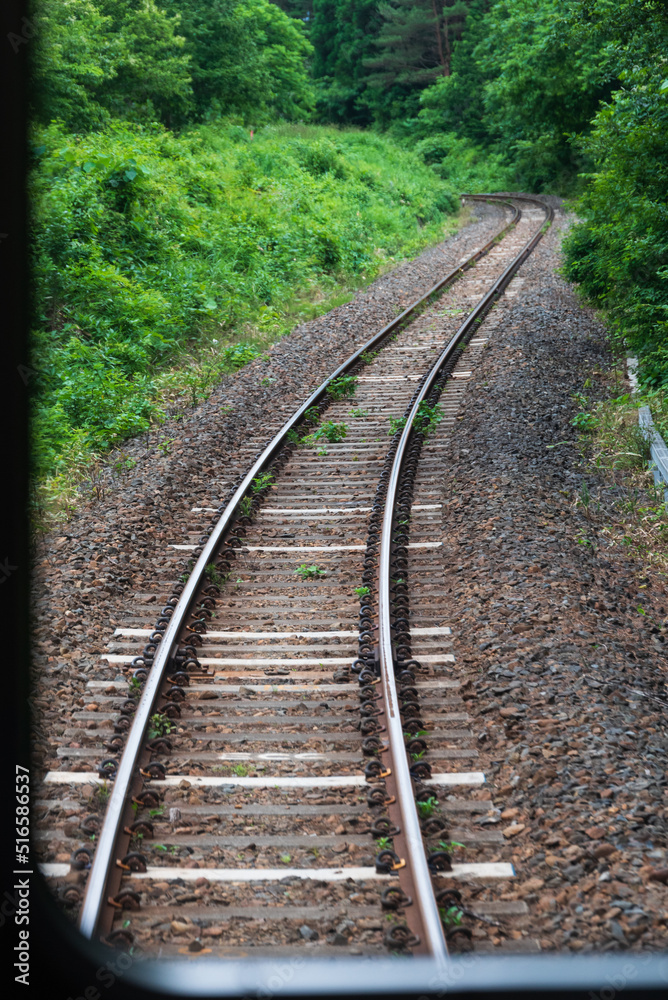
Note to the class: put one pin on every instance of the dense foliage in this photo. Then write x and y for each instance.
(619, 253)
(413, 48)
(514, 78)
(146, 241)
(342, 33)
(180, 62)
(538, 82)
(248, 58)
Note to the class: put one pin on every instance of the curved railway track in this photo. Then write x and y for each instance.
(260, 739)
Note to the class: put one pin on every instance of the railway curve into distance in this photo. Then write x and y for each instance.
(312, 524)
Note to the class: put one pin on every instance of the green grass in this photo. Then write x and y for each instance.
(611, 429)
(427, 808)
(160, 725)
(328, 431)
(162, 261)
(627, 510)
(309, 572)
(396, 424)
(344, 385)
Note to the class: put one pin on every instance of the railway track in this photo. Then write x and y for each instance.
(285, 761)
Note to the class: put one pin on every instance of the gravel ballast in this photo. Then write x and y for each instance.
(558, 631)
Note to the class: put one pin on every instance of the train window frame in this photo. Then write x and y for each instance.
(59, 958)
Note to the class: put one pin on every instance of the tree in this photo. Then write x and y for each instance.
(248, 59)
(414, 47)
(546, 82)
(284, 53)
(152, 78)
(524, 80)
(342, 33)
(300, 10)
(619, 252)
(75, 55)
(97, 58)
(455, 14)
(454, 103)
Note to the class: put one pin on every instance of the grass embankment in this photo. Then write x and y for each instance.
(629, 510)
(163, 261)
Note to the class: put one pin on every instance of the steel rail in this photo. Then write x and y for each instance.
(416, 874)
(105, 853)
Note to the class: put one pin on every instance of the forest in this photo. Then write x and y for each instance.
(208, 173)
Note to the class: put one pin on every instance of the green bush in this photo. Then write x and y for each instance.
(464, 165)
(148, 245)
(238, 355)
(101, 59)
(619, 252)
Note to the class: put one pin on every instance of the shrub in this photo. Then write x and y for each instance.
(150, 245)
(619, 251)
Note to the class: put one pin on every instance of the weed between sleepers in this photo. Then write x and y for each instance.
(312, 572)
(329, 430)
